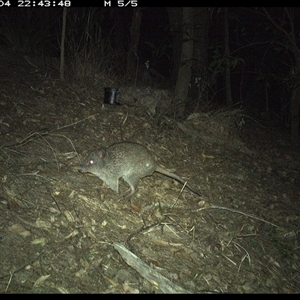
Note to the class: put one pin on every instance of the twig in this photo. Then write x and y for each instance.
(72, 124)
(24, 266)
(235, 211)
(61, 135)
(35, 173)
(122, 124)
(8, 284)
(41, 134)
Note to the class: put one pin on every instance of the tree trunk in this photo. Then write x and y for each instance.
(62, 45)
(131, 68)
(295, 107)
(201, 24)
(119, 37)
(199, 90)
(185, 70)
(175, 18)
(227, 62)
(289, 38)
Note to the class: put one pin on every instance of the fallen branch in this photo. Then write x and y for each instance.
(164, 284)
(33, 135)
(235, 211)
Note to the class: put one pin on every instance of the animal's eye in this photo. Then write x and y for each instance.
(91, 162)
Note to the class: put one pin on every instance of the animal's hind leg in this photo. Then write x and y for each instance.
(113, 184)
(133, 182)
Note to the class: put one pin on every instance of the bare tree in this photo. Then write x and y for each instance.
(175, 18)
(62, 44)
(185, 70)
(289, 35)
(134, 43)
(199, 83)
(190, 49)
(227, 60)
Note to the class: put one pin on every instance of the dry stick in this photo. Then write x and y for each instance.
(45, 133)
(122, 124)
(236, 211)
(27, 139)
(41, 135)
(53, 151)
(179, 195)
(68, 125)
(21, 268)
(35, 173)
(154, 277)
(9, 281)
(61, 135)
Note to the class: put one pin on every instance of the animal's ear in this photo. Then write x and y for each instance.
(101, 153)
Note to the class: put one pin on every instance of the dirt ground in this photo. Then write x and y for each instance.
(61, 231)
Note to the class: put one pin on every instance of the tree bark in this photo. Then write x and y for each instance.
(119, 37)
(185, 70)
(295, 106)
(62, 45)
(175, 18)
(199, 90)
(290, 40)
(201, 24)
(131, 67)
(227, 62)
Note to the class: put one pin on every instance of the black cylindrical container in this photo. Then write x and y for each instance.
(110, 96)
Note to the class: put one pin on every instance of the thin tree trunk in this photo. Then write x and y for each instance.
(199, 86)
(295, 108)
(227, 62)
(119, 36)
(132, 58)
(290, 40)
(62, 45)
(185, 70)
(201, 25)
(175, 18)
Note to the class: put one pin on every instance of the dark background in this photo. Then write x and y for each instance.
(262, 63)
